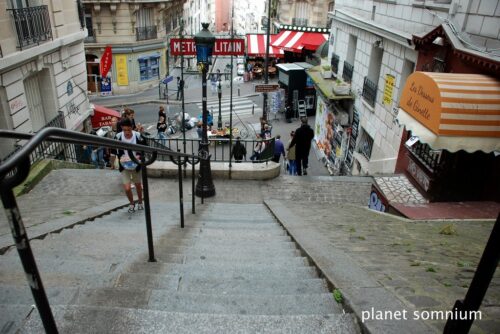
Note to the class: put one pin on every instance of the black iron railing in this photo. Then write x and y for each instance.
(1, 53)
(145, 33)
(220, 149)
(369, 91)
(14, 171)
(335, 63)
(426, 155)
(347, 72)
(32, 25)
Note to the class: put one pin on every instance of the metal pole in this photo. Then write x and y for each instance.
(219, 93)
(205, 186)
(182, 92)
(231, 95)
(193, 210)
(266, 62)
(147, 207)
(181, 194)
(25, 253)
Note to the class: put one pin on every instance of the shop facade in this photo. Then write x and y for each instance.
(337, 122)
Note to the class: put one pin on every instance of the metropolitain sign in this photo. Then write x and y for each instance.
(222, 47)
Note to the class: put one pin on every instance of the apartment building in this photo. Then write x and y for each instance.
(306, 13)
(42, 67)
(138, 35)
(373, 49)
(377, 45)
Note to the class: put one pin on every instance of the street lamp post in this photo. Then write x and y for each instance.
(219, 93)
(204, 42)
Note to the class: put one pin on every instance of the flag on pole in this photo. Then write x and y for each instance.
(106, 62)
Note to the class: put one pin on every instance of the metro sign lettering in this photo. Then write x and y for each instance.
(222, 47)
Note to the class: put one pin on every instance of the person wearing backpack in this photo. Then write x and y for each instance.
(131, 172)
(239, 151)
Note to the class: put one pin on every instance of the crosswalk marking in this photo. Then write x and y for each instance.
(241, 106)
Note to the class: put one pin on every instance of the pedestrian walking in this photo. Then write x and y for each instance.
(290, 156)
(161, 127)
(239, 151)
(161, 112)
(259, 147)
(131, 172)
(180, 88)
(302, 143)
(279, 149)
(213, 83)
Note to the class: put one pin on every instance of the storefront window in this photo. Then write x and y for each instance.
(366, 145)
(149, 68)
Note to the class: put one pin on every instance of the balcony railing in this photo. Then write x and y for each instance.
(369, 92)
(32, 25)
(335, 63)
(145, 33)
(347, 72)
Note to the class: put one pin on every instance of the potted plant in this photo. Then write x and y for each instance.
(326, 71)
(341, 88)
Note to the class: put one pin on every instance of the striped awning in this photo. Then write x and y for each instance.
(256, 46)
(295, 41)
(453, 111)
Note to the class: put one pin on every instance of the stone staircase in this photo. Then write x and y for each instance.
(232, 269)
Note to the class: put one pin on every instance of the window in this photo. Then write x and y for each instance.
(149, 67)
(144, 17)
(301, 13)
(408, 68)
(370, 84)
(365, 145)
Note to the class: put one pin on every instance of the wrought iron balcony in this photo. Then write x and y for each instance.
(32, 25)
(145, 33)
(335, 63)
(347, 72)
(369, 91)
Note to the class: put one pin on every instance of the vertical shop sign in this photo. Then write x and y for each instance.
(389, 87)
(121, 69)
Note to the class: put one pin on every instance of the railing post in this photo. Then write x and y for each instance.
(147, 207)
(465, 311)
(181, 195)
(24, 249)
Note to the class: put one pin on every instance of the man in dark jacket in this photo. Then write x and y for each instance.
(239, 151)
(302, 142)
(131, 172)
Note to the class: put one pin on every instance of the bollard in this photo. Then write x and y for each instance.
(253, 109)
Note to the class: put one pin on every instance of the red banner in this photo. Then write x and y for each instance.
(222, 47)
(106, 62)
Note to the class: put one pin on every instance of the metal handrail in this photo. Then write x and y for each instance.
(15, 169)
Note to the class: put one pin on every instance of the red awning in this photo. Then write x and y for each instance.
(103, 116)
(295, 41)
(256, 46)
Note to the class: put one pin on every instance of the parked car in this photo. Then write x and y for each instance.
(240, 70)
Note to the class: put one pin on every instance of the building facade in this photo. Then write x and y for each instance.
(312, 13)
(138, 34)
(372, 46)
(42, 67)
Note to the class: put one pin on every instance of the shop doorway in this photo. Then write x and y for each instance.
(92, 73)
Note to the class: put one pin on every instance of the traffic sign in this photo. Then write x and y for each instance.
(266, 88)
(167, 79)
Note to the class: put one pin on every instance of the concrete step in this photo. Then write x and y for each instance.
(265, 286)
(253, 250)
(22, 295)
(281, 243)
(12, 317)
(219, 270)
(228, 260)
(81, 319)
(210, 303)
